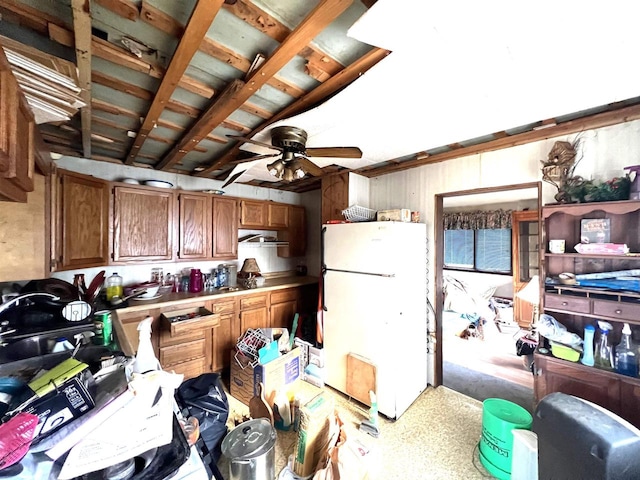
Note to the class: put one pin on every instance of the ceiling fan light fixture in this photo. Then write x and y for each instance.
(298, 170)
(288, 175)
(276, 168)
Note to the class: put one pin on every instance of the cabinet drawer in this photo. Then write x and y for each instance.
(191, 368)
(253, 302)
(189, 320)
(182, 352)
(281, 296)
(566, 302)
(224, 306)
(623, 311)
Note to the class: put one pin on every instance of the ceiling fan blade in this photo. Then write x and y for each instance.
(251, 159)
(341, 152)
(255, 142)
(233, 178)
(310, 167)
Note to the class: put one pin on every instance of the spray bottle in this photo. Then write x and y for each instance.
(370, 425)
(145, 358)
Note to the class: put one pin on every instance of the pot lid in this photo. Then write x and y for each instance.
(249, 440)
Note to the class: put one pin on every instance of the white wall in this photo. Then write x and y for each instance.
(604, 153)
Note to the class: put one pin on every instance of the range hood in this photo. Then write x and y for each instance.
(259, 240)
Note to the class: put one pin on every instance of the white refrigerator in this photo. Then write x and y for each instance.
(375, 306)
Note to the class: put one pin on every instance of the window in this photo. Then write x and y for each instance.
(485, 250)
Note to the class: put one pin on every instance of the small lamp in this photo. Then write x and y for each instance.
(531, 294)
(249, 270)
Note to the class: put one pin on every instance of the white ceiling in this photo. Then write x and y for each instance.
(461, 69)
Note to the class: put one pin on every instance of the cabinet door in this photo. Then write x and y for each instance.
(143, 224)
(296, 234)
(253, 214)
(254, 318)
(282, 314)
(254, 312)
(630, 400)
(17, 131)
(601, 388)
(525, 261)
(84, 222)
(278, 216)
(224, 335)
(125, 326)
(194, 226)
(225, 228)
(335, 196)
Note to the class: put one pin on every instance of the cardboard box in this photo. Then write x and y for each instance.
(282, 372)
(69, 401)
(318, 425)
(397, 215)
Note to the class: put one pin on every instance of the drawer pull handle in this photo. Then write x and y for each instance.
(564, 304)
(618, 311)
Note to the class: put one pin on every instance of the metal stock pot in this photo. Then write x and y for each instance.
(250, 448)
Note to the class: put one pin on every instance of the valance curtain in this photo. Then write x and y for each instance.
(478, 220)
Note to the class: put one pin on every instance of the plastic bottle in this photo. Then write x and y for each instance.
(626, 360)
(62, 345)
(114, 286)
(587, 355)
(373, 410)
(145, 358)
(604, 352)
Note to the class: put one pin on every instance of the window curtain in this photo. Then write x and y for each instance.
(478, 220)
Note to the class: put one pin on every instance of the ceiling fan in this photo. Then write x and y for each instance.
(294, 162)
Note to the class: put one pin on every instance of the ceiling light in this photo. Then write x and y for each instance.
(297, 169)
(276, 168)
(288, 175)
(199, 169)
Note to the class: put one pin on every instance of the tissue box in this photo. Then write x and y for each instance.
(397, 215)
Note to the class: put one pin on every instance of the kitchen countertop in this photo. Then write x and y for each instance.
(274, 283)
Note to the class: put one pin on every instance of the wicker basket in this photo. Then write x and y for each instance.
(356, 213)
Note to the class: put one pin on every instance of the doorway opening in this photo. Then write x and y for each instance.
(479, 317)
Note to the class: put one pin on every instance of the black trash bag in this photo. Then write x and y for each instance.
(204, 398)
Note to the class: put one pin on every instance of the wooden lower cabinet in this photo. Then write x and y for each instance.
(225, 335)
(188, 353)
(284, 306)
(616, 393)
(254, 312)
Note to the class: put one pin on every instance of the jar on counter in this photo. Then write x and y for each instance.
(114, 286)
(195, 281)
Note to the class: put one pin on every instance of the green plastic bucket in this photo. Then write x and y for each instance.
(499, 418)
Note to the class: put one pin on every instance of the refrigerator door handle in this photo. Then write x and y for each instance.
(386, 275)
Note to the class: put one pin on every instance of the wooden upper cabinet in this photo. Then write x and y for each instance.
(83, 226)
(253, 214)
(335, 196)
(143, 224)
(277, 215)
(194, 226)
(225, 228)
(296, 234)
(17, 137)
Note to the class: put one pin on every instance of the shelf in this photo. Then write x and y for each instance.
(628, 256)
(579, 209)
(586, 368)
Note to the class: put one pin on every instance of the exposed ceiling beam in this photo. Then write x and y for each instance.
(598, 120)
(203, 14)
(328, 88)
(82, 33)
(239, 92)
(124, 8)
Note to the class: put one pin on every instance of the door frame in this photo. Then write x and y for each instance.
(439, 253)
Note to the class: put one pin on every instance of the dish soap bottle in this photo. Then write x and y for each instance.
(587, 356)
(604, 352)
(625, 357)
(114, 286)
